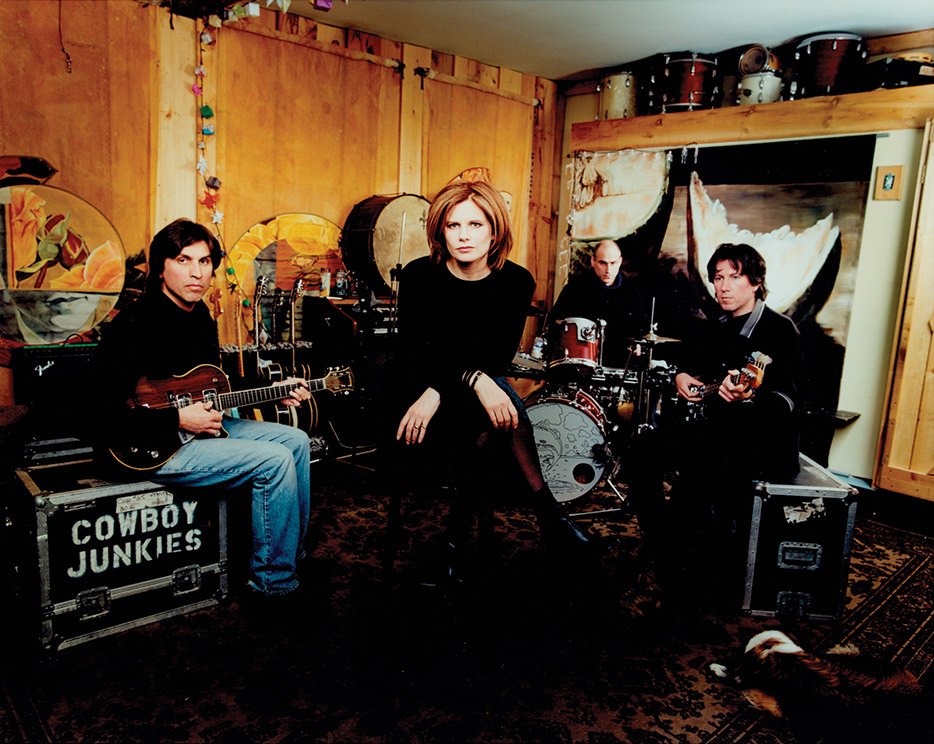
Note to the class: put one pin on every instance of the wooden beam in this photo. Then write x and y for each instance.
(901, 42)
(874, 111)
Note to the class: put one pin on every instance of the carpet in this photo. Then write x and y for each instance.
(531, 647)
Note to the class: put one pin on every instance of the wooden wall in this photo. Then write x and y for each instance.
(308, 119)
(93, 122)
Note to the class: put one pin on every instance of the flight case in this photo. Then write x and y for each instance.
(799, 545)
(111, 556)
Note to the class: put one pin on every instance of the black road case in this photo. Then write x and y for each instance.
(799, 545)
(114, 556)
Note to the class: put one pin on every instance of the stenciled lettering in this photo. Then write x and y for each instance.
(107, 543)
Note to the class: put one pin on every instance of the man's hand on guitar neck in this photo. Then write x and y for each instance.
(298, 394)
(200, 418)
(734, 387)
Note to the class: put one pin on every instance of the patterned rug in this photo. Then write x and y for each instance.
(530, 648)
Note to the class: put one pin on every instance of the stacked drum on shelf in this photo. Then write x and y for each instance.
(825, 65)
(760, 83)
(680, 81)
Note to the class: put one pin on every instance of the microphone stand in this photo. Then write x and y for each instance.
(394, 286)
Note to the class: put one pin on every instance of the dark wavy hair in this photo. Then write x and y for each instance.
(492, 205)
(170, 241)
(743, 258)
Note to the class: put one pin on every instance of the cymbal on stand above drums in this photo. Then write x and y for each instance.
(653, 338)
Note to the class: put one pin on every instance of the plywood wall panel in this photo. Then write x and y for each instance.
(469, 128)
(94, 124)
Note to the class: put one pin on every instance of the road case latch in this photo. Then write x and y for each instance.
(92, 603)
(186, 579)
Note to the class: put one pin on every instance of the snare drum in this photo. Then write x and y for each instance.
(618, 96)
(372, 241)
(682, 81)
(826, 64)
(570, 436)
(577, 345)
(760, 87)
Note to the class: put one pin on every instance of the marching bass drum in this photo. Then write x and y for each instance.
(372, 238)
(570, 436)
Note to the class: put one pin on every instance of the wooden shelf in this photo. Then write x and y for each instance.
(855, 113)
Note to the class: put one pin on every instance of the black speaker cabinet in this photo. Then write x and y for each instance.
(55, 383)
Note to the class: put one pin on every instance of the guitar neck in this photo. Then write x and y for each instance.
(707, 390)
(258, 396)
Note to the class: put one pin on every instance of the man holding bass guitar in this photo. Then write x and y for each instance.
(167, 333)
(740, 380)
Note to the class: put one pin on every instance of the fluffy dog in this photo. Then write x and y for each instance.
(836, 696)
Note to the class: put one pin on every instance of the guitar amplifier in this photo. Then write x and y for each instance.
(798, 557)
(55, 383)
(97, 557)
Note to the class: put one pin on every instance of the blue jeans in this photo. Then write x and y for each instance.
(274, 460)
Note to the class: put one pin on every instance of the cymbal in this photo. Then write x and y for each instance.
(653, 338)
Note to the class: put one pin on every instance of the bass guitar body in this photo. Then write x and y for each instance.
(749, 378)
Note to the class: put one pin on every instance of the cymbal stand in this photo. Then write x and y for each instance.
(645, 425)
(394, 288)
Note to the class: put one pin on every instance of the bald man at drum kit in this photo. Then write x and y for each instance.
(604, 293)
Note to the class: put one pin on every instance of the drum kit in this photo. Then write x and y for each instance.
(584, 412)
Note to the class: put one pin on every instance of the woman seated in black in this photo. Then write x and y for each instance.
(462, 312)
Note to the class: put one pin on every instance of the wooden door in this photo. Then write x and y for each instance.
(906, 463)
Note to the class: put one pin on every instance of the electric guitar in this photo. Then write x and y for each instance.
(749, 377)
(201, 384)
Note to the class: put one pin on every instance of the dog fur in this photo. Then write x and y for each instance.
(777, 675)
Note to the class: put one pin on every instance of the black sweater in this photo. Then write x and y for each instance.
(157, 339)
(449, 325)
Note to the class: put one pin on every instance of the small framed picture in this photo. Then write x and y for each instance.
(889, 182)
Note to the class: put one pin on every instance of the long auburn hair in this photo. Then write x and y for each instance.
(490, 202)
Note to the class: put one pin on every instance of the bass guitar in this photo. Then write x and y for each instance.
(202, 384)
(749, 378)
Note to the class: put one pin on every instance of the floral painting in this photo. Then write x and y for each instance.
(62, 268)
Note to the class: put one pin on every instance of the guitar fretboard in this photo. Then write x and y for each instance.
(257, 396)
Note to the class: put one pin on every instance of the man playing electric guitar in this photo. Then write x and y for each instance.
(750, 360)
(169, 332)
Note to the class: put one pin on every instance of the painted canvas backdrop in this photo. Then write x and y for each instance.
(762, 187)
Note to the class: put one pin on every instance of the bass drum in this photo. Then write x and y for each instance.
(570, 436)
(372, 241)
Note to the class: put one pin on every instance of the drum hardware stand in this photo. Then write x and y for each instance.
(394, 274)
(650, 337)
